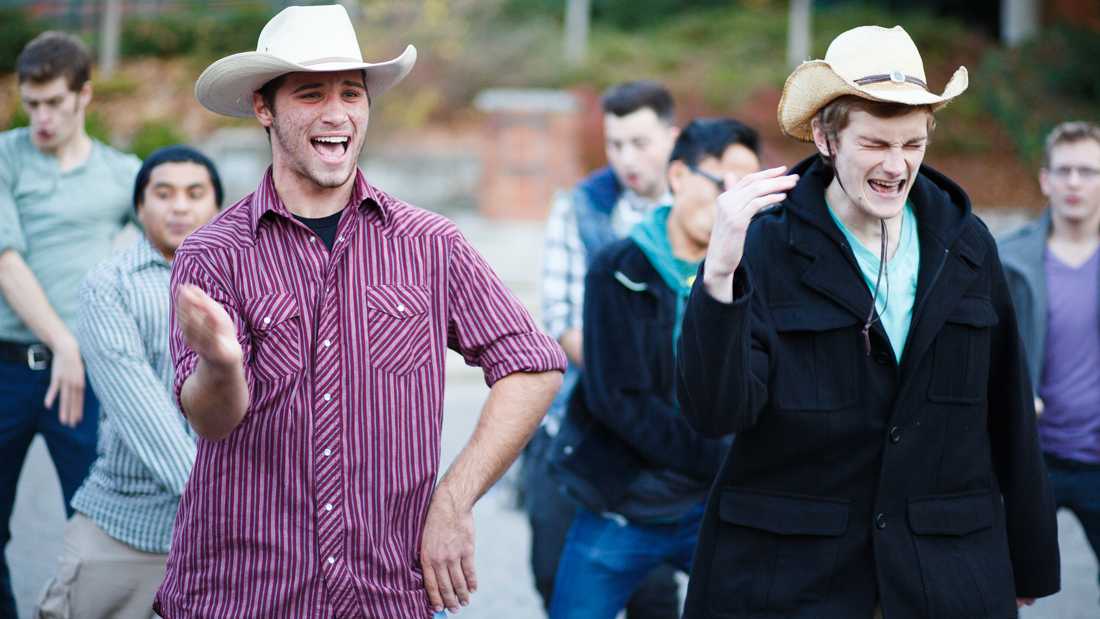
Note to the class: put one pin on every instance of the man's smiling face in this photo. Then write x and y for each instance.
(318, 126)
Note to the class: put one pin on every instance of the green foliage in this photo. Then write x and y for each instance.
(17, 28)
(1051, 79)
(207, 35)
(622, 14)
(154, 134)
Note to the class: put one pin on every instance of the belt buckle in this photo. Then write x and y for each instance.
(37, 357)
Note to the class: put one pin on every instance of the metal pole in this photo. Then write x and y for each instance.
(798, 32)
(576, 31)
(108, 37)
(1019, 21)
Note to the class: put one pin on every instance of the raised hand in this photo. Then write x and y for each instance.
(736, 207)
(207, 328)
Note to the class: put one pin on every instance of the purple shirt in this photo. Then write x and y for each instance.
(313, 506)
(1070, 385)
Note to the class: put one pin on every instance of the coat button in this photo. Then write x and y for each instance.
(880, 520)
(567, 450)
(895, 435)
(882, 357)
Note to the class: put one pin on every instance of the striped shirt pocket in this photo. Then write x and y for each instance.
(276, 336)
(398, 327)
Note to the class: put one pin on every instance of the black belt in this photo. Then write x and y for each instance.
(35, 356)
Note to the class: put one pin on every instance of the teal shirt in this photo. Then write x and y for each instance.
(896, 310)
(62, 224)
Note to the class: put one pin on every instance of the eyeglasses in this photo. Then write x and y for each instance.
(1087, 173)
(718, 182)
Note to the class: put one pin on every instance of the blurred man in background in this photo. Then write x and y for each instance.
(116, 545)
(638, 470)
(1053, 271)
(639, 131)
(63, 198)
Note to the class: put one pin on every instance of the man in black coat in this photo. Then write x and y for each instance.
(860, 339)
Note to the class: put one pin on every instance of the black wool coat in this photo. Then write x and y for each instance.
(854, 480)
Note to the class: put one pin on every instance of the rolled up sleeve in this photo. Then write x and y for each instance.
(488, 326)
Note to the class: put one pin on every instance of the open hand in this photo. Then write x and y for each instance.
(736, 207)
(207, 328)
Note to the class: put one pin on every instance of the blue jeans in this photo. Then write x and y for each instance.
(550, 513)
(22, 416)
(604, 560)
(1076, 487)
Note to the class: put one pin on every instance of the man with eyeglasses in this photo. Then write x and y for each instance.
(1053, 270)
(635, 465)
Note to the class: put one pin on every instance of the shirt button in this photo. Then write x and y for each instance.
(401, 308)
(340, 238)
(328, 343)
(331, 560)
(328, 396)
(267, 320)
(895, 435)
(880, 520)
(327, 452)
(328, 507)
(313, 239)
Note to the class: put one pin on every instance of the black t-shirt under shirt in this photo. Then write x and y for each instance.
(324, 227)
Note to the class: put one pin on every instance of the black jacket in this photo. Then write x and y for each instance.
(623, 417)
(853, 479)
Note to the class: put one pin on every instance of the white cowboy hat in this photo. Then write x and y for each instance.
(875, 63)
(299, 38)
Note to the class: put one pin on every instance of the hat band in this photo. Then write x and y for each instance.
(896, 77)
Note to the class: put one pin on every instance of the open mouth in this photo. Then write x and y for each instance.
(887, 189)
(331, 147)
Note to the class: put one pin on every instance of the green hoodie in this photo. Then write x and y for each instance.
(651, 236)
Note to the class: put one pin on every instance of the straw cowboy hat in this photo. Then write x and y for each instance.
(880, 64)
(299, 38)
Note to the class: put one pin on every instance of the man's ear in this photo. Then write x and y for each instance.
(84, 95)
(264, 114)
(675, 174)
(820, 141)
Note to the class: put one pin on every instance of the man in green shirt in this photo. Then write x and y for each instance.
(63, 198)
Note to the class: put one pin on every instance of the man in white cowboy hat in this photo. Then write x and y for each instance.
(860, 339)
(311, 323)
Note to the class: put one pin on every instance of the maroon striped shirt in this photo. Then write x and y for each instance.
(313, 506)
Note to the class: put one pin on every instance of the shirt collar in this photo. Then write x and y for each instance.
(142, 254)
(266, 199)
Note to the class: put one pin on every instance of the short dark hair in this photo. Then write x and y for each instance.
(629, 97)
(54, 54)
(711, 137)
(177, 153)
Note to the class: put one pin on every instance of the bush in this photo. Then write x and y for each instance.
(1042, 83)
(154, 134)
(17, 28)
(191, 33)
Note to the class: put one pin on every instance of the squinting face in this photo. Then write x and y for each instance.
(1071, 182)
(694, 195)
(638, 146)
(877, 159)
(56, 113)
(178, 199)
(318, 127)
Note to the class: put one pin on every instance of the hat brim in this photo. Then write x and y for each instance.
(814, 84)
(226, 86)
